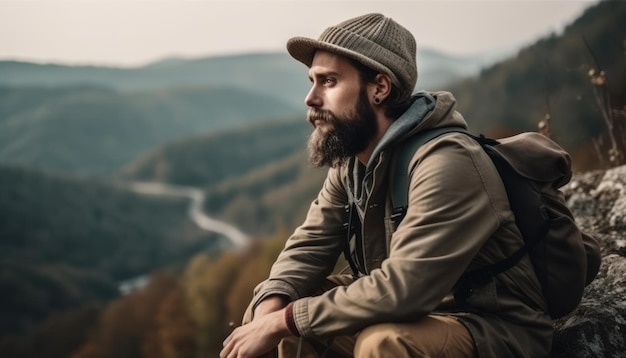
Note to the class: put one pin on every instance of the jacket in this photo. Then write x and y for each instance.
(458, 219)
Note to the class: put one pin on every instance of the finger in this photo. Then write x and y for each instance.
(224, 353)
(228, 347)
(228, 352)
(228, 339)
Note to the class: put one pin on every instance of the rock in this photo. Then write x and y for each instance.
(597, 328)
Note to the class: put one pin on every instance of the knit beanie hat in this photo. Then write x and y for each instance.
(374, 40)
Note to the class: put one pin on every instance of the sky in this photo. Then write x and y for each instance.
(129, 33)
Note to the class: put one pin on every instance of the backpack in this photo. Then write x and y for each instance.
(532, 168)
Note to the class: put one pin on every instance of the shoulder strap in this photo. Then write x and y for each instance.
(352, 228)
(400, 175)
(525, 201)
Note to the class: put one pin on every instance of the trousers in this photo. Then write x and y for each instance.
(433, 336)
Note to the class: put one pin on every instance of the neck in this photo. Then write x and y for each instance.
(383, 124)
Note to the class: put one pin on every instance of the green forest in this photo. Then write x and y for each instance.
(94, 130)
(73, 140)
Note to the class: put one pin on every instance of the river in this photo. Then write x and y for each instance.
(197, 197)
(237, 238)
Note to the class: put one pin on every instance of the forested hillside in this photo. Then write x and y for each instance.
(93, 120)
(553, 77)
(65, 242)
(275, 195)
(251, 72)
(90, 224)
(94, 131)
(183, 315)
(254, 178)
(270, 73)
(208, 159)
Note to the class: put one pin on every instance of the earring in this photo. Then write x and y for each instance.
(376, 100)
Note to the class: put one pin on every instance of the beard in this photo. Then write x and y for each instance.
(338, 138)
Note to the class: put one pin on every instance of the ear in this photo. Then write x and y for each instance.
(381, 87)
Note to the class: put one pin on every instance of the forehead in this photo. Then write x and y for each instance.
(325, 62)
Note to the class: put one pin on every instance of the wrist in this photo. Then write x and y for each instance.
(271, 304)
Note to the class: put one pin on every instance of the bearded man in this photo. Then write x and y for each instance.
(399, 301)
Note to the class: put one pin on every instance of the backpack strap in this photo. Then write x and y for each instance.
(530, 221)
(352, 228)
(400, 183)
(530, 217)
(399, 190)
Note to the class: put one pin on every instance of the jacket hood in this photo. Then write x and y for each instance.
(428, 110)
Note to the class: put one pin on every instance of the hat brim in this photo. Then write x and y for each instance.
(303, 49)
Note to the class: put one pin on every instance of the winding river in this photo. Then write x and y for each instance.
(236, 237)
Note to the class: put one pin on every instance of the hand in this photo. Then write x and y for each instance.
(257, 337)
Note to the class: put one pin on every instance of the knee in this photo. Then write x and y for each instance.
(381, 340)
(433, 336)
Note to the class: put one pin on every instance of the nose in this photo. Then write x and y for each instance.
(313, 98)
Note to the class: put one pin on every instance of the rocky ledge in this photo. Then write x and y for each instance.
(597, 328)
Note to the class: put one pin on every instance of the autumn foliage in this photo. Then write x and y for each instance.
(181, 315)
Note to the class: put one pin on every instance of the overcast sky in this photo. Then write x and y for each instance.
(135, 32)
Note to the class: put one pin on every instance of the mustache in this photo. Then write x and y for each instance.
(314, 114)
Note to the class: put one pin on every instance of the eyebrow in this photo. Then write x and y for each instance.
(323, 74)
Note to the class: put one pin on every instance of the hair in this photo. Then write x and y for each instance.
(396, 103)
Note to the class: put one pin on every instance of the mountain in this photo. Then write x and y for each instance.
(211, 158)
(437, 70)
(552, 77)
(94, 131)
(66, 242)
(255, 177)
(92, 120)
(275, 195)
(48, 219)
(275, 74)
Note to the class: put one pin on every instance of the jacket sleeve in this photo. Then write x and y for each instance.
(311, 253)
(451, 214)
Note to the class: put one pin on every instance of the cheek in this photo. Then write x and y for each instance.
(342, 100)
(347, 103)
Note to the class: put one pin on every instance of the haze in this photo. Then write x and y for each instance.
(132, 32)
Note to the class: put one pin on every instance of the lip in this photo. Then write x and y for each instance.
(316, 122)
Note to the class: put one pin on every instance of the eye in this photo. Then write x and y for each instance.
(329, 81)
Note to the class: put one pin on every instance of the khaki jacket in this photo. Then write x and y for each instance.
(458, 219)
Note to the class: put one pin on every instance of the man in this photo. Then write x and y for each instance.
(401, 304)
